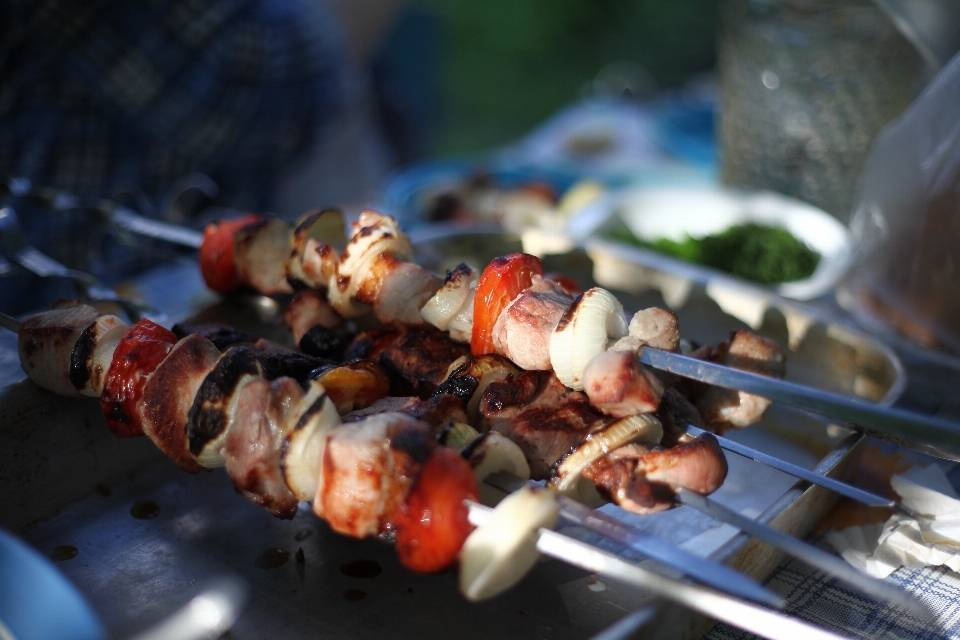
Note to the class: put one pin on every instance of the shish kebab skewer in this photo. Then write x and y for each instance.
(307, 242)
(107, 330)
(330, 229)
(932, 435)
(598, 292)
(767, 623)
(65, 325)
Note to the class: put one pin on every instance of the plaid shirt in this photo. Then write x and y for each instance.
(98, 96)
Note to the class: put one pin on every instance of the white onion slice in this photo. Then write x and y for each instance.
(594, 319)
(460, 435)
(496, 452)
(313, 228)
(447, 303)
(109, 331)
(500, 552)
(304, 448)
(639, 428)
(460, 327)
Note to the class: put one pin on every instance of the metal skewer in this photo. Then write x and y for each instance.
(720, 606)
(600, 523)
(925, 433)
(842, 488)
(813, 556)
(696, 567)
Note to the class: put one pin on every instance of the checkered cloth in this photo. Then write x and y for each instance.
(99, 96)
(828, 603)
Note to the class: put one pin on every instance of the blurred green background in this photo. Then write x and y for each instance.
(506, 65)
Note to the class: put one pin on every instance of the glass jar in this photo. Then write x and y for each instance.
(805, 87)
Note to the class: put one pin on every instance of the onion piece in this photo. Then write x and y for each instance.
(460, 327)
(106, 333)
(322, 226)
(490, 453)
(261, 248)
(639, 428)
(303, 450)
(500, 552)
(447, 303)
(587, 327)
(459, 436)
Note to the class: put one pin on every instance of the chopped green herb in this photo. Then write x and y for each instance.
(769, 255)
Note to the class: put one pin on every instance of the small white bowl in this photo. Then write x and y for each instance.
(675, 212)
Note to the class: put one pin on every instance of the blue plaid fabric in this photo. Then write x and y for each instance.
(100, 96)
(822, 600)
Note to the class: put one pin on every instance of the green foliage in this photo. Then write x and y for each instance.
(509, 64)
(768, 255)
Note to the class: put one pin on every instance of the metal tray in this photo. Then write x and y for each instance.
(65, 480)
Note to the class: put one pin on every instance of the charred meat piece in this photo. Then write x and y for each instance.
(222, 335)
(644, 479)
(322, 342)
(368, 469)
(169, 394)
(309, 308)
(541, 415)
(279, 361)
(522, 332)
(725, 408)
(415, 358)
(46, 343)
(470, 376)
(214, 405)
(619, 385)
(439, 411)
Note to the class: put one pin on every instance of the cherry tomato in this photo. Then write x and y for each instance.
(502, 281)
(140, 351)
(432, 524)
(217, 254)
(568, 284)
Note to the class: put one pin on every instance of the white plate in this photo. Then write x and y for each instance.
(675, 212)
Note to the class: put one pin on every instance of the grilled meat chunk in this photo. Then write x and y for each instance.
(725, 408)
(368, 469)
(222, 335)
(619, 385)
(415, 358)
(169, 395)
(657, 328)
(522, 332)
(541, 415)
(643, 479)
(439, 411)
(307, 309)
(278, 361)
(266, 412)
(215, 404)
(47, 341)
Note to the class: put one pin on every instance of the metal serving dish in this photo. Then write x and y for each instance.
(65, 480)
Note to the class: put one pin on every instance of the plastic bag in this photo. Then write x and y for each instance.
(907, 222)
